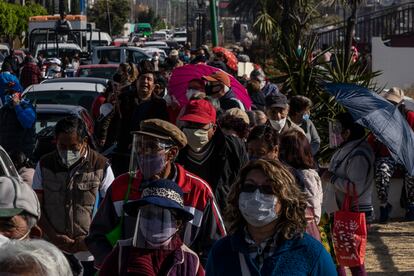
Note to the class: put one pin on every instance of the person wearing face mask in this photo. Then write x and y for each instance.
(219, 87)
(154, 150)
(209, 150)
(277, 111)
(156, 246)
(17, 122)
(266, 215)
(352, 164)
(299, 113)
(19, 211)
(70, 183)
(266, 87)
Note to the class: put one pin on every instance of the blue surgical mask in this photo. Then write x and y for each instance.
(306, 117)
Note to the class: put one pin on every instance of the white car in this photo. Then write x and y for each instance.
(159, 36)
(65, 93)
(4, 49)
(180, 37)
(151, 50)
(50, 50)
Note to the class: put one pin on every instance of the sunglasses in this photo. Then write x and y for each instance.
(251, 188)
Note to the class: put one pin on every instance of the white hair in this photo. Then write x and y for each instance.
(36, 256)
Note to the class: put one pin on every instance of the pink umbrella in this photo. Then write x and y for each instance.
(181, 76)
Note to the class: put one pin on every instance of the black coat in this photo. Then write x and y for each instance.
(228, 157)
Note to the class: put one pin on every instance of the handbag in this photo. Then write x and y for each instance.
(349, 233)
(115, 235)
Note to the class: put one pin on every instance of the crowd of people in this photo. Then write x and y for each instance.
(209, 187)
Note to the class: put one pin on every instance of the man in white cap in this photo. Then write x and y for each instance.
(173, 60)
(19, 210)
(385, 165)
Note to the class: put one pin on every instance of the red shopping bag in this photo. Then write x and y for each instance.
(349, 233)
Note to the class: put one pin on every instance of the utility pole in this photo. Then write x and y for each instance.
(213, 18)
(109, 18)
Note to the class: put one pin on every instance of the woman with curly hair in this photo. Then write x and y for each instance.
(266, 215)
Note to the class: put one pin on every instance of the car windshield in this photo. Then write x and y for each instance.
(48, 120)
(63, 52)
(103, 73)
(180, 35)
(66, 97)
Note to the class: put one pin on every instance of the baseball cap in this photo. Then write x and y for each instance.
(219, 76)
(238, 113)
(16, 197)
(174, 53)
(393, 94)
(276, 100)
(199, 111)
(163, 130)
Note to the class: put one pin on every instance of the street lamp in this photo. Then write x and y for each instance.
(200, 22)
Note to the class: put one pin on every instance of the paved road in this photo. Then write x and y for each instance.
(390, 249)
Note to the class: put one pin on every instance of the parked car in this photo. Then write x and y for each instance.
(64, 93)
(117, 55)
(4, 49)
(50, 50)
(6, 165)
(180, 37)
(159, 36)
(2, 57)
(150, 51)
(104, 71)
(105, 39)
(120, 41)
(92, 80)
(157, 44)
(47, 117)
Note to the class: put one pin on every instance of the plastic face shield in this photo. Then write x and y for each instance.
(147, 155)
(335, 137)
(155, 228)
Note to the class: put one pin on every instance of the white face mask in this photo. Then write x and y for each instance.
(262, 84)
(278, 125)
(69, 157)
(258, 209)
(197, 138)
(191, 93)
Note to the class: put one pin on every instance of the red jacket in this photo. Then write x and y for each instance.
(200, 233)
(380, 149)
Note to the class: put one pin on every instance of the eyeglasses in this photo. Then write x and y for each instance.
(251, 188)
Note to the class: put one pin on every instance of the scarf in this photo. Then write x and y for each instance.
(150, 262)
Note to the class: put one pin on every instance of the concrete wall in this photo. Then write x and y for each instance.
(396, 64)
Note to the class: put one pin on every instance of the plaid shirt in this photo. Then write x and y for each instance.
(260, 252)
(30, 74)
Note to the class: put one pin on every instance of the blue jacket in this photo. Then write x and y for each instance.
(302, 256)
(5, 79)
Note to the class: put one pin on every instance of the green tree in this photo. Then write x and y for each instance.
(14, 18)
(118, 12)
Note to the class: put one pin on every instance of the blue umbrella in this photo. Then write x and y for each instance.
(381, 117)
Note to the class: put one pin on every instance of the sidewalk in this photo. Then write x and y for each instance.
(390, 249)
